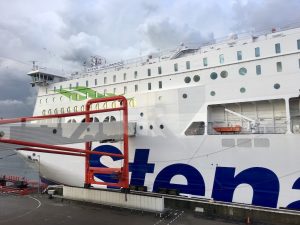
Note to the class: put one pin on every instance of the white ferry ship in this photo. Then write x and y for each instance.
(221, 121)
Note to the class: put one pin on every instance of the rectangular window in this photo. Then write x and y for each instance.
(96, 82)
(115, 90)
(136, 88)
(87, 83)
(188, 65)
(114, 78)
(125, 90)
(149, 86)
(70, 86)
(149, 72)
(277, 48)
(159, 70)
(159, 84)
(257, 52)
(299, 63)
(239, 55)
(104, 92)
(279, 66)
(258, 70)
(105, 80)
(77, 84)
(205, 62)
(175, 67)
(124, 76)
(221, 58)
(298, 44)
(135, 74)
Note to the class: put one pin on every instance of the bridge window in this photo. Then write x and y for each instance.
(159, 70)
(205, 63)
(188, 65)
(258, 69)
(257, 52)
(279, 66)
(239, 55)
(221, 58)
(176, 67)
(277, 48)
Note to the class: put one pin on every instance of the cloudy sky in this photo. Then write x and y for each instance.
(60, 34)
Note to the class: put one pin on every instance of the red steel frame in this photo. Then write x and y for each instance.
(122, 174)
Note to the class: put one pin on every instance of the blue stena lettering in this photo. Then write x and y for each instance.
(264, 183)
(195, 182)
(140, 167)
(296, 204)
(95, 162)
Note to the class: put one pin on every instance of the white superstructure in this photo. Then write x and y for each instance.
(221, 121)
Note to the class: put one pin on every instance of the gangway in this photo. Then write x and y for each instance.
(27, 144)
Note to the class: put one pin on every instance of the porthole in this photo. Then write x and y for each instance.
(54, 131)
(151, 127)
(161, 126)
(242, 71)
(187, 80)
(196, 78)
(184, 95)
(212, 93)
(224, 74)
(276, 86)
(213, 75)
(141, 114)
(141, 127)
(242, 90)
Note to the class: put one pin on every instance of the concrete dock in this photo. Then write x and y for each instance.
(38, 209)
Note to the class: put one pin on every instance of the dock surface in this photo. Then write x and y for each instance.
(37, 210)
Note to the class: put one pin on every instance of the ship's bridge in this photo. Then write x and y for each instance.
(43, 79)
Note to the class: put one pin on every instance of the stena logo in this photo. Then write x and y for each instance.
(264, 182)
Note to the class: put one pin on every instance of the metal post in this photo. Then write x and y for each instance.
(39, 174)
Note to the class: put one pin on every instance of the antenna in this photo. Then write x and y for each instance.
(34, 65)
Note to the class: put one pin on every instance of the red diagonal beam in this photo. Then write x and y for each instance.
(54, 147)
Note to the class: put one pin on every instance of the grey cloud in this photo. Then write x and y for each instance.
(260, 15)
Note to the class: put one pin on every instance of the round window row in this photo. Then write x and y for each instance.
(243, 90)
